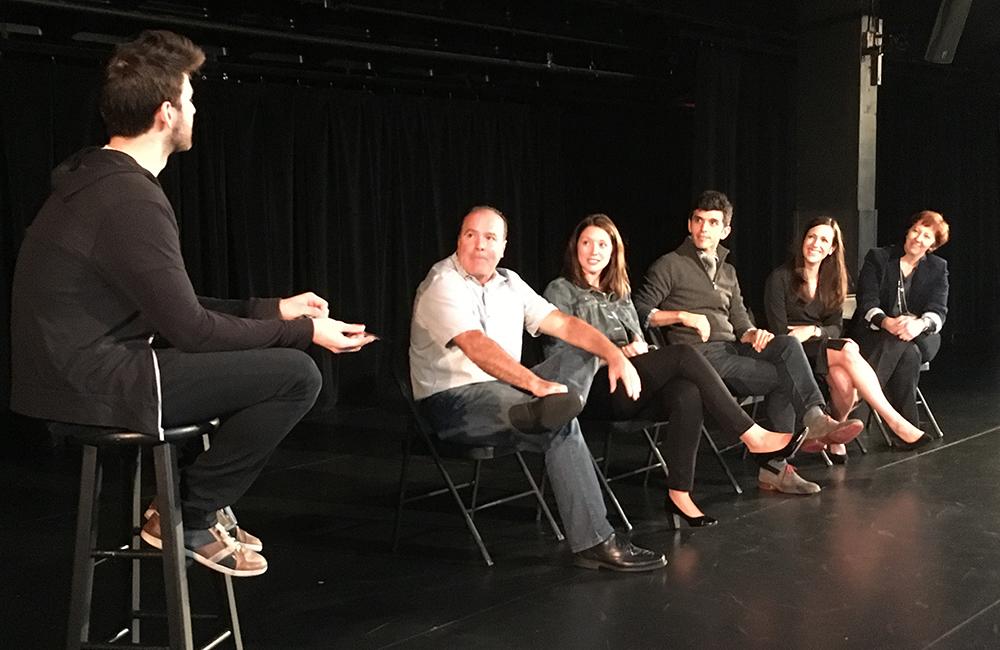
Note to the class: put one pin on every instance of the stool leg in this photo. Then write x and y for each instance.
(136, 542)
(234, 618)
(171, 530)
(78, 625)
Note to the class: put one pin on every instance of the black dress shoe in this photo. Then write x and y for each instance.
(899, 445)
(694, 522)
(619, 554)
(790, 449)
(544, 414)
(837, 459)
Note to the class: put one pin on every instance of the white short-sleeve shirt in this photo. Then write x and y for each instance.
(449, 302)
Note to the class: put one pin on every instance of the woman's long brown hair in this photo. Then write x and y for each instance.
(831, 286)
(614, 277)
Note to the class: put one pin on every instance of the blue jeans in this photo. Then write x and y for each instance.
(781, 373)
(479, 414)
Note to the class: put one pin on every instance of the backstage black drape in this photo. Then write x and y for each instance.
(354, 195)
(939, 149)
(743, 147)
(291, 188)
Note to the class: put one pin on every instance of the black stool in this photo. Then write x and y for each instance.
(86, 554)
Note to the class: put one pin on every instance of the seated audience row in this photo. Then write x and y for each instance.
(466, 345)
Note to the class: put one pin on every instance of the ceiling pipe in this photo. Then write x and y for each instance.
(549, 66)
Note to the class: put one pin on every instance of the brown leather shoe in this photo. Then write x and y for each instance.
(619, 554)
(224, 554)
(252, 542)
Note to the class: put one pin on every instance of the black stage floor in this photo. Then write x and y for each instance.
(901, 550)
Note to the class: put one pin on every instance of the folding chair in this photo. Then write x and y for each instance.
(420, 437)
(921, 402)
(602, 464)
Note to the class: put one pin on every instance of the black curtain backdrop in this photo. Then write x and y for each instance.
(744, 147)
(939, 149)
(354, 195)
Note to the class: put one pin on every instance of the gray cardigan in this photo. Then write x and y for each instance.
(678, 281)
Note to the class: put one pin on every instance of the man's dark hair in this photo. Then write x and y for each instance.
(141, 75)
(713, 200)
(477, 208)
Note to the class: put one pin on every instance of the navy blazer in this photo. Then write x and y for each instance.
(879, 279)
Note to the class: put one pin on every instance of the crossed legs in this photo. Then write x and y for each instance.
(849, 375)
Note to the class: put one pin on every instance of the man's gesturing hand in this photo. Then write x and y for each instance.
(337, 336)
(304, 305)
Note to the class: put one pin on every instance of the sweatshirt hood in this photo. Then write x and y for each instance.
(87, 166)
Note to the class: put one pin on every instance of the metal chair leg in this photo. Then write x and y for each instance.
(401, 502)
(469, 523)
(654, 450)
(861, 445)
(722, 461)
(611, 493)
(474, 497)
(922, 401)
(881, 427)
(544, 507)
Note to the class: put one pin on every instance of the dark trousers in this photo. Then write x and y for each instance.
(677, 384)
(259, 394)
(897, 364)
(780, 372)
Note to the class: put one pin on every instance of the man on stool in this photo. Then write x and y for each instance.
(100, 273)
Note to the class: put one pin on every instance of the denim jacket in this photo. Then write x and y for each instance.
(614, 317)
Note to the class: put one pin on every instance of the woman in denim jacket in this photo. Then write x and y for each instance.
(676, 380)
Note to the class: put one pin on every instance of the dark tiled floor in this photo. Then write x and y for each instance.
(899, 550)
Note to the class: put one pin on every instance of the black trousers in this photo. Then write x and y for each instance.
(677, 385)
(897, 364)
(259, 394)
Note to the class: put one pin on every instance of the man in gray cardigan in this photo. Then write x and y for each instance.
(694, 295)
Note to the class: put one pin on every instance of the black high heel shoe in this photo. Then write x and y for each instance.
(788, 450)
(837, 459)
(899, 445)
(694, 522)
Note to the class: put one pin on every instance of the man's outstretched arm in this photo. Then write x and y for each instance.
(494, 361)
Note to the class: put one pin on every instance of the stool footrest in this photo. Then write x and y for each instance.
(127, 554)
(152, 614)
(120, 646)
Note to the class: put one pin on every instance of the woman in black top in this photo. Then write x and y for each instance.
(805, 298)
(676, 380)
(902, 303)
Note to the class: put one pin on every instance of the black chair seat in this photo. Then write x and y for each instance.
(621, 426)
(104, 436)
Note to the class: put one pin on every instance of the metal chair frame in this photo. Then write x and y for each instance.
(420, 431)
(921, 402)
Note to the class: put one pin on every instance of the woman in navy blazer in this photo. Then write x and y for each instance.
(902, 304)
